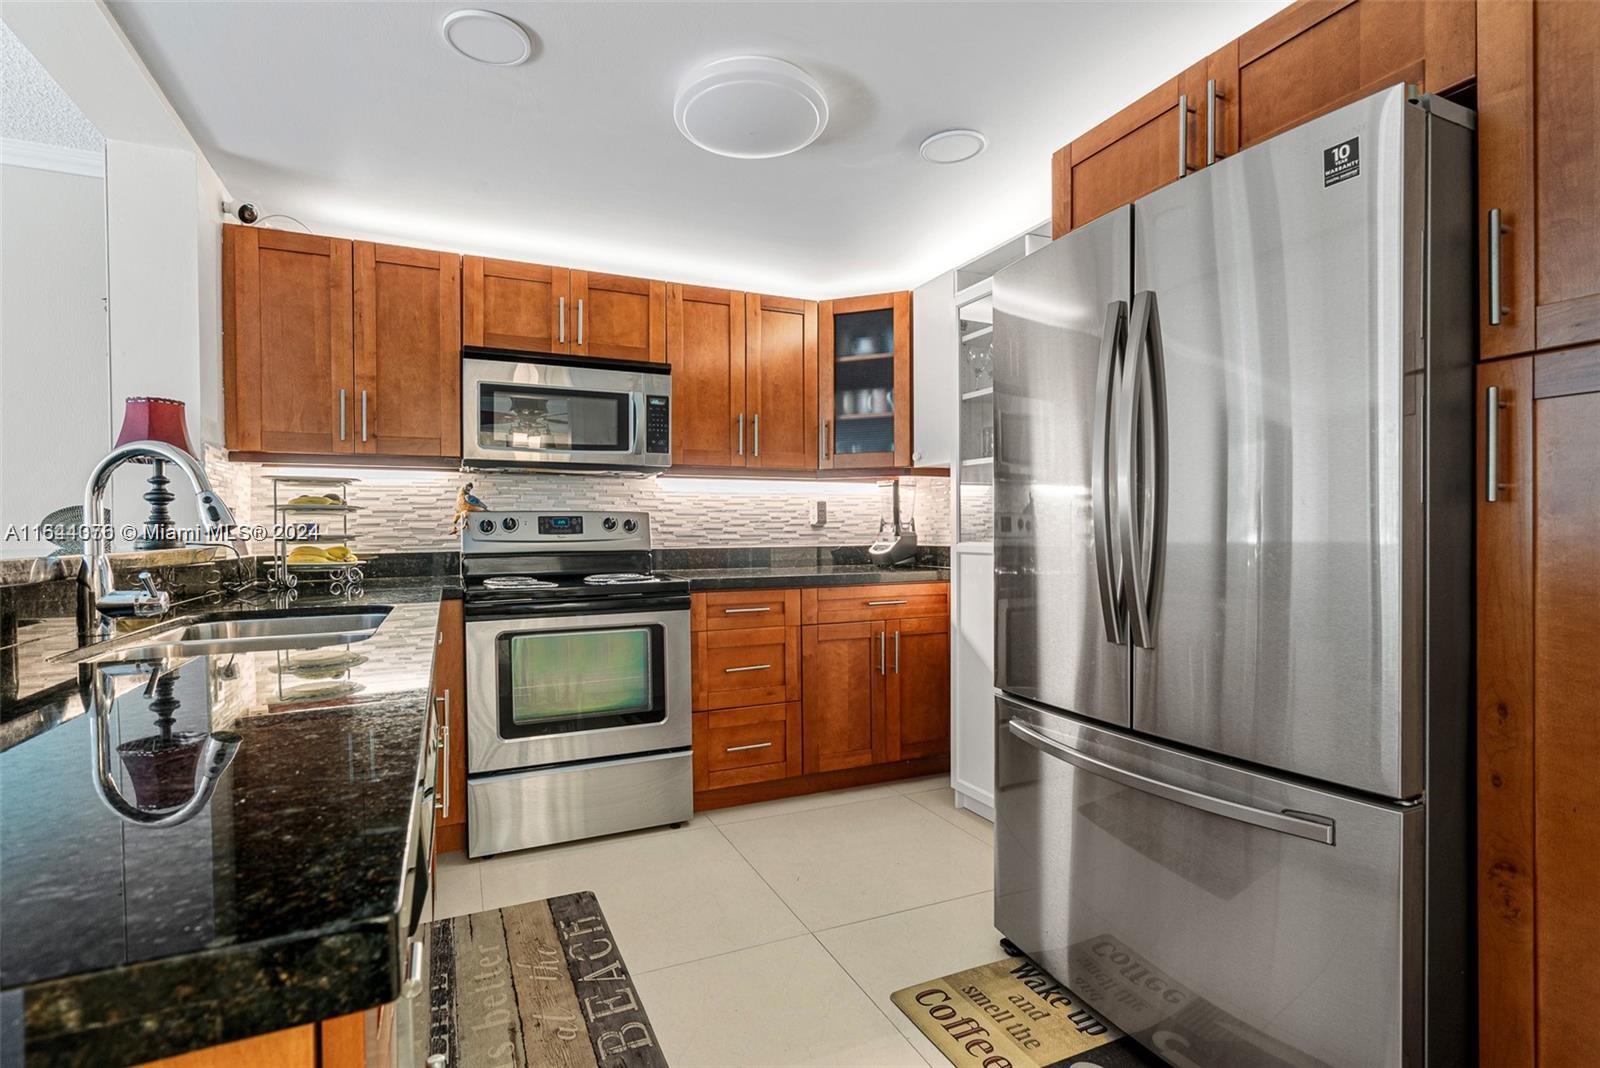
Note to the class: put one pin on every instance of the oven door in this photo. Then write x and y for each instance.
(545, 690)
(558, 411)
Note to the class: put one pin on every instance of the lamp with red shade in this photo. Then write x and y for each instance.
(156, 419)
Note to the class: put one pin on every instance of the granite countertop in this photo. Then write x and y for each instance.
(275, 905)
(817, 574)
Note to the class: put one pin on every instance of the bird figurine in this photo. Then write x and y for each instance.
(466, 504)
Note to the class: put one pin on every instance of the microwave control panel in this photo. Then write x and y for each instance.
(657, 424)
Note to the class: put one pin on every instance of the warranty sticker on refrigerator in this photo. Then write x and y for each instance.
(1341, 161)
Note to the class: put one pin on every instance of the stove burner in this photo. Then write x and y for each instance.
(517, 582)
(620, 578)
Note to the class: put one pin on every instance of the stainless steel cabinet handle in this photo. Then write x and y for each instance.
(749, 667)
(341, 415)
(882, 650)
(363, 415)
(746, 748)
(875, 604)
(756, 424)
(822, 445)
(561, 319)
(1496, 309)
(1108, 378)
(413, 981)
(580, 320)
(1144, 377)
(741, 433)
(897, 652)
(1212, 96)
(1183, 134)
(1491, 444)
(745, 611)
(443, 804)
(1313, 830)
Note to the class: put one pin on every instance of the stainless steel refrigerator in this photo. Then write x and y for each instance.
(1233, 590)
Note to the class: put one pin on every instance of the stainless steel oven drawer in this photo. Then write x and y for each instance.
(1222, 917)
(524, 809)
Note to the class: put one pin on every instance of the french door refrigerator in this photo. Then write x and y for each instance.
(1233, 600)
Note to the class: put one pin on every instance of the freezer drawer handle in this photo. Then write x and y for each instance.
(1312, 829)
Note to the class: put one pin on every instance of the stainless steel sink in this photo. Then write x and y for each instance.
(209, 635)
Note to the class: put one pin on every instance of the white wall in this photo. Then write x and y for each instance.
(54, 371)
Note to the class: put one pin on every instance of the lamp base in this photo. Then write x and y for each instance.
(158, 532)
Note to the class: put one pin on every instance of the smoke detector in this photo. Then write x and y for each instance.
(750, 107)
(953, 146)
(487, 37)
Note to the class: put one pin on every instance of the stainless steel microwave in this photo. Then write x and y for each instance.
(573, 412)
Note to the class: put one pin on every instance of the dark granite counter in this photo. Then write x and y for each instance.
(788, 575)
(275, 905)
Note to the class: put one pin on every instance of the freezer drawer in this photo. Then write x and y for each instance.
(1220, 916)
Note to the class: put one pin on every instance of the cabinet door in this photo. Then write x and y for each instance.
(843, 720)
(450, 707)
(705, 345)
(287, 369)
(618, 317)
(780, 376)
(917, 687)
(509, 305)
(1537, 161)
(864, 381)
(407, 351)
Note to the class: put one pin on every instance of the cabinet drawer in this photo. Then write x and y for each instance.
(744, 609)
(745, 745)
(851, 604)
(746, 667)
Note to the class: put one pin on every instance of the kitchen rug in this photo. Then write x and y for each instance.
(1012, 1012)
(538, 984)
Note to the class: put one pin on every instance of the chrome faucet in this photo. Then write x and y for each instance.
(97, 574)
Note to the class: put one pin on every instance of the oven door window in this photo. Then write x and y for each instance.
(557, 682)
(550, 419)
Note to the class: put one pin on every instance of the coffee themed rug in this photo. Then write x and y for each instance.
(537, 984)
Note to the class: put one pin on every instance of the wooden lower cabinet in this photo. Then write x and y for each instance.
(450, 706)
(803, 690)
(1539, 709)
(353, 1041)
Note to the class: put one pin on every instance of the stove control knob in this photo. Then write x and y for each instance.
(508, 524)
(629, 526)
(609, 522)
(486, 526)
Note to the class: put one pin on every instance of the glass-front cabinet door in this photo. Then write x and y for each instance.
(864, 381)
(975, 472)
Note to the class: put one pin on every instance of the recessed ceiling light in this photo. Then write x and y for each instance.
(486, 36)
(953, 146)
(750, 107)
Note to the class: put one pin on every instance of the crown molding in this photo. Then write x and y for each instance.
(88, 162)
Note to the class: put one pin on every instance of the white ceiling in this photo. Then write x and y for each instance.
(35, 108)
(357, 119)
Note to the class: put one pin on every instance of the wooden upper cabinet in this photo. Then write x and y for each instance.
(917, 687)
(288, 376)
(407, 351)
(510, 305)
(706, 347)
(864, 381)
(781, 382)
(843, 725)
(618, 317)
(1538, 157)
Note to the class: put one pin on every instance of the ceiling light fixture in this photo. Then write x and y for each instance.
(953, 146)
(750, 107)
(487, 37)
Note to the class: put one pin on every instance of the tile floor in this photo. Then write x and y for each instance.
(773, 934)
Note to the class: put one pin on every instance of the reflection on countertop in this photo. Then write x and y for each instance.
(275, 903)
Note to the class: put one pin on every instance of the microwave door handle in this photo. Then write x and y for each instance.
(1308, 826)
(1108, 563)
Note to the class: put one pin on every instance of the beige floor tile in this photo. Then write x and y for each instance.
(892, 952)
(788, 1003)
(670, 896)
(941, 801)
(457, 887)
(838, 865)
(922, 785)
(723, 817)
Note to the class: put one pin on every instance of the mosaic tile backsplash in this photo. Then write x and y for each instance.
(411, 510)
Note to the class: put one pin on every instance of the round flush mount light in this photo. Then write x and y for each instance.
(486, 36)
(953, 146)
(750, 107)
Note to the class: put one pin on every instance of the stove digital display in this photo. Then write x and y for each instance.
(561, 524)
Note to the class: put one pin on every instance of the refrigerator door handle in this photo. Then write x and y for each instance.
(1107, 560)
(1141, 411)
(1309, 826)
